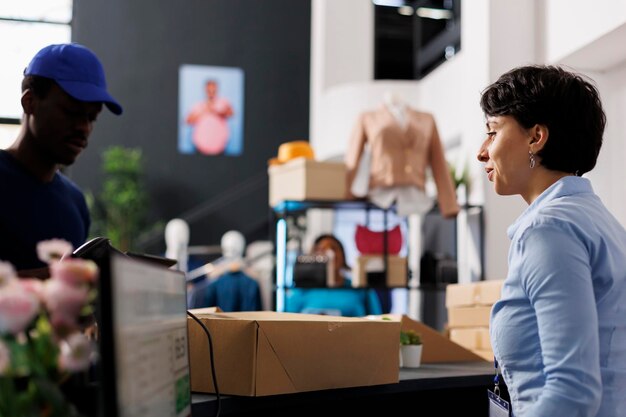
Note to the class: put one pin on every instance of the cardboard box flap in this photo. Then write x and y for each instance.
(324, 344)
(206, 310)
(268, 316)
(437, 347)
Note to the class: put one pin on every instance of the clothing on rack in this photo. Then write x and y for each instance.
(400, 157)
(370, 242)
(232, 291)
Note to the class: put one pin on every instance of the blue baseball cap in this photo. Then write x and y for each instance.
(77, 70)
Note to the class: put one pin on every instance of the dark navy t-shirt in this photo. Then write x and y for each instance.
(32, 211)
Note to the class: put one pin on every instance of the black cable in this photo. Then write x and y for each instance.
(217, 391)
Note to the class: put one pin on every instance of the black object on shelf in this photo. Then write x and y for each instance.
(311, 271)
(437, 269)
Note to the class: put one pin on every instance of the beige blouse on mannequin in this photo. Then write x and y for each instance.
(403, 143)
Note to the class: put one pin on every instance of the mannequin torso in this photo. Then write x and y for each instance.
(404, 144)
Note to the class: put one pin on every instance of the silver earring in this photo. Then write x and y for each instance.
(532, 159)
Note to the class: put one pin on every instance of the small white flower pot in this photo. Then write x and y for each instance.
(410, 356)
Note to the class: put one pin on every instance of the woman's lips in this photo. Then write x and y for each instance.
(489, 174)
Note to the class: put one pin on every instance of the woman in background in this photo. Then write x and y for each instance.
(559, 330)
(344, 300)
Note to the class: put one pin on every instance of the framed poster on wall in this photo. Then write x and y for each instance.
(210, 110)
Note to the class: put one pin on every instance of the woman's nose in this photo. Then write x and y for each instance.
(483, 152)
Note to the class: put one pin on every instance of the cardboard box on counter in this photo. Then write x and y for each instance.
(305, 179)
(267, 353)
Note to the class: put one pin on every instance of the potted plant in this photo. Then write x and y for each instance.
(410, 349)
(119, 211)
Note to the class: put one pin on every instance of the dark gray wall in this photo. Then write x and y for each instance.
(142, 43)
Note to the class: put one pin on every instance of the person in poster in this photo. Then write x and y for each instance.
(209, 119)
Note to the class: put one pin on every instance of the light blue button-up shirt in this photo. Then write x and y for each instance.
(559, 329)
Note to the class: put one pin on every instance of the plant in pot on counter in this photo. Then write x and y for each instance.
(410, 349)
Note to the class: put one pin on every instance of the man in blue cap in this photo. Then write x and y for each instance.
(63, 90)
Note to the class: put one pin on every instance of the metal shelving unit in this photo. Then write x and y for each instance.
(280, 213)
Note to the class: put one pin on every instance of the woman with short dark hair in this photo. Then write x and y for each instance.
(559, 330)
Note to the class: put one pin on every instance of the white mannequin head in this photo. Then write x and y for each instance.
(233, 245)
(177, 241)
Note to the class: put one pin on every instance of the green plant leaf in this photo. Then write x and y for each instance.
(41, 349)
(410, 337)
(50, 394)
(20, 363)
(8, 405)
(119, 212)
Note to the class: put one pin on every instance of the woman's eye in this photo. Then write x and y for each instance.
(491, 135)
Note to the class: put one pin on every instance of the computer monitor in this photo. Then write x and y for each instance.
(142, 323)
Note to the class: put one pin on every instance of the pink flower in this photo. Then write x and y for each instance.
(7, 273)
(53, 250)
(63, 324)
(33, 285)
(74, 271)
(18, 308)
(76, 353)
(61, 298)
(5, 358)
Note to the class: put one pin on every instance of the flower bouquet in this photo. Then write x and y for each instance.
(42, 332)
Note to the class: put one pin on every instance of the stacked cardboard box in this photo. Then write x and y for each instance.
(305, 179)
(366, 264)
(469, 309)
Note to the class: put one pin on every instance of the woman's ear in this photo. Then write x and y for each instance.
(538, 137)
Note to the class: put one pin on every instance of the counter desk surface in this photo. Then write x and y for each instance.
(449, 388)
